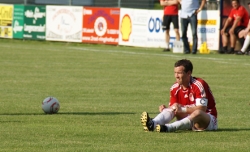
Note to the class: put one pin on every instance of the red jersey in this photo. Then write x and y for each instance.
(170, 10)
(242, 12)
(198, 88)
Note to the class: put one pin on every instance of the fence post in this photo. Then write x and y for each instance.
(119, 3)
(70, 2)
(25, 2)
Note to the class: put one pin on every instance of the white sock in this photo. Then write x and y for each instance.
(182, 124)
(246, 44)
(164, 117)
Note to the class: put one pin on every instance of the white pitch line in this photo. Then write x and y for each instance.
(223, 61)
(218, 60)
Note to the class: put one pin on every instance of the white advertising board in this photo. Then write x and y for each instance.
(208, 29)
(144, 29)
(155, 34)
(133, 27)
(64, 23)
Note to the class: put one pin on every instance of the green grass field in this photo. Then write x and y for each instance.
(102, 91)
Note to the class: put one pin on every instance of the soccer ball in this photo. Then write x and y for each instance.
(50, 105)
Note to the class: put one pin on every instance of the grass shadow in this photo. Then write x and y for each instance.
(69, 113)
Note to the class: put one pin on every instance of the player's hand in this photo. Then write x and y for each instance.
(161, 107)
(175, 108)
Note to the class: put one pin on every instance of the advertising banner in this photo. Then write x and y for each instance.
(100, 25)
(34, 22)
(143, 28)
(64, 23)
(155, 33)
(133, 27)
(208, 29)
(18, 21)
(6, 17)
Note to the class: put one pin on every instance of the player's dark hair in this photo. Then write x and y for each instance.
(236, 1)
(188, 66)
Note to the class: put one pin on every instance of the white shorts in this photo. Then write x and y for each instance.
(213, 125)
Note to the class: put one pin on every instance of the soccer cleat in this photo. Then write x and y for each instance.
(147, 122)
(240, 53)
(161, 128)
(230, 52)
(222, 51)
(166, 50)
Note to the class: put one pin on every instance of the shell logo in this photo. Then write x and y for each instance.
(126, 27)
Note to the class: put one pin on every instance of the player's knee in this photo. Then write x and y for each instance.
(197, 113)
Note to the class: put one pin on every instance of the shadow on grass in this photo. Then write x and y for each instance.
(69, 113)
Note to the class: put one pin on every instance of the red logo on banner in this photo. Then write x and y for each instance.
(100, 25)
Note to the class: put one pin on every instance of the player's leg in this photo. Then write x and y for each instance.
(198, 120)
(175, 20)
(165, 26)
(193, 23)
(244, 40)
(246, 43)
(233, 39)
(167, 39)
(224, 38)
(184, 27)
(162, 118)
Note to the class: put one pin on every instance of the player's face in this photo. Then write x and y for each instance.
(235, 4)
(181, 76)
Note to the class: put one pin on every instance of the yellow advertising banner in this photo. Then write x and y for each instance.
(6, 17)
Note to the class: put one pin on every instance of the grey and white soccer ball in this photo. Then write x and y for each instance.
(50, 105)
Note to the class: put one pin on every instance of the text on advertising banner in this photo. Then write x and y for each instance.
(155, 34)
(34, 22)
(208, 29)
(64, 23)
(18, 21)
(100, 25)
(6, 17)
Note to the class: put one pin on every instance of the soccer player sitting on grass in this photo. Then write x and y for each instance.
(191, 102)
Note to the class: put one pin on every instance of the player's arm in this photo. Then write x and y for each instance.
(200, 104)
(228, 21)
(201, 6)
(169, 2)
(235, 23)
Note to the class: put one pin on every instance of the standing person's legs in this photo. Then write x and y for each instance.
(166, 26)
(175, 20)
(184, 26)
(193, 22)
